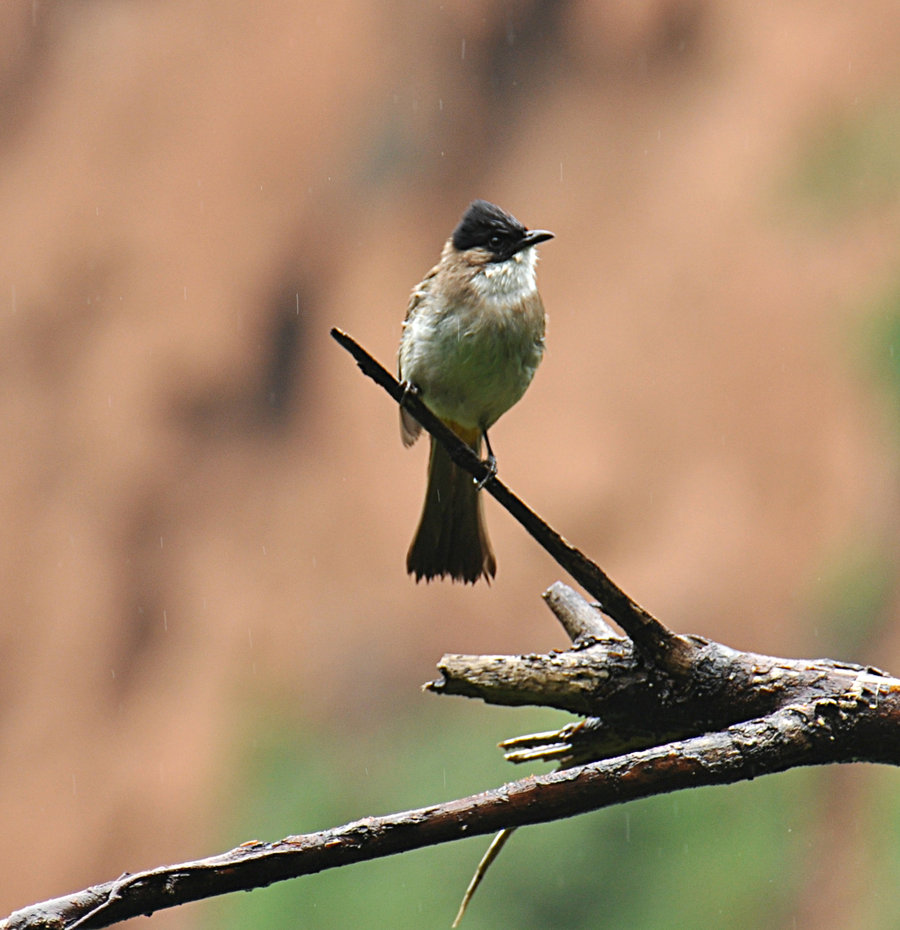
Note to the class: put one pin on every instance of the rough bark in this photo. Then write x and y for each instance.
(661, 712)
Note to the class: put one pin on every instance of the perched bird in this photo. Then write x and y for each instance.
(472, 339)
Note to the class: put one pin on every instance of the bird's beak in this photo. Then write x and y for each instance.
(533, 237)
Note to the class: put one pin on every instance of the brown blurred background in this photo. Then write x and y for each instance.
(206, 508)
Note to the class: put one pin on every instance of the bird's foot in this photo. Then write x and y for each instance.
(409, 390)
(490, 464)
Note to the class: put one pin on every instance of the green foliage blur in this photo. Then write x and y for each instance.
(849, 164)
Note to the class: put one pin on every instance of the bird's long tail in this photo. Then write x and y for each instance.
(451, 538)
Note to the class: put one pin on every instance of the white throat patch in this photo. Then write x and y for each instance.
(514, 279)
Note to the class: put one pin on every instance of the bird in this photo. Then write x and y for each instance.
(472, 339)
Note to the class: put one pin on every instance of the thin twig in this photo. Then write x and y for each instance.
(497, 844)
(657, 642)
(581, 620)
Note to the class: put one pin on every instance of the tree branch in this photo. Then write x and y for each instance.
(662, 712)
(802, 733)
(630, 705)
(660, 645)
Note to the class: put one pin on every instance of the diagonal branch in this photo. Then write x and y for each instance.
(659, 644)
(800, 734)
(664, 712)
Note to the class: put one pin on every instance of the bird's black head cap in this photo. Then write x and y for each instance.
(485, 225)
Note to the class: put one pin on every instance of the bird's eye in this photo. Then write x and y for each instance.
(495, 242)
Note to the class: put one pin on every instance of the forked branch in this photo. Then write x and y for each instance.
(661, 712)
(818, 712)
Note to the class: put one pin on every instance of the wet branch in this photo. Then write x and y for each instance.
(659, 712)
(659, 644)
(849, 725)
(801, 712)
(628, 704)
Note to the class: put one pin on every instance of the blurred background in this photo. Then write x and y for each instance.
(207, 632)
